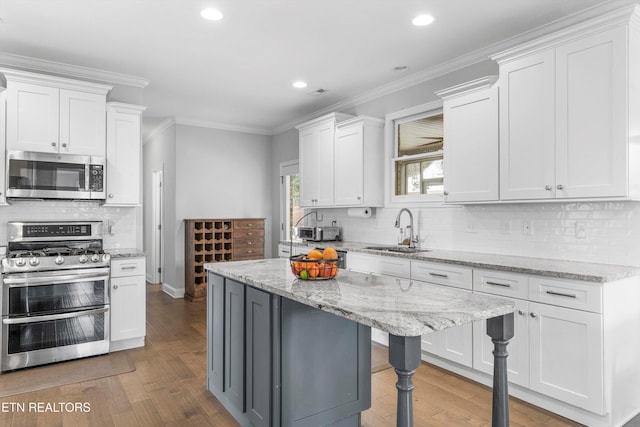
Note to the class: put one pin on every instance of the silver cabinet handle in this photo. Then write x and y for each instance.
(504, 285)
(64, 145)
(438, 275)
(128, 267)
(111, 196)
(115, 286)
(522, 313)
(559, 186)
(548, 187)
(446, 193)
(53, 144)
(534, 315)
(560, 294)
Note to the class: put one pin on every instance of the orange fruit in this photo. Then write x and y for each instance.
(313, 269)
(329, 253)
(334, 270)
(314, 254)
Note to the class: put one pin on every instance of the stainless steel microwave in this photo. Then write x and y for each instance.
(55, 176)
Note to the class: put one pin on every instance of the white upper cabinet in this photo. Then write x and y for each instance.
(568, 106)
(359, 180)
(3, 140)
(471, 141)
(55, 115)
(317, 160)
(124, 177)
(341, 161)
(527, 128)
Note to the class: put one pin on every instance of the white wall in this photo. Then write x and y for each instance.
(208, 173)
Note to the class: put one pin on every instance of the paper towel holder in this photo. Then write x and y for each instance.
(364, 212)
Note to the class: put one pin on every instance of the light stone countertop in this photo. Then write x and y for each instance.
(572, 270)
(397, 306)
(125, 253)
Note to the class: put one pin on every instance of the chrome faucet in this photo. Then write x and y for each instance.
(412, 240)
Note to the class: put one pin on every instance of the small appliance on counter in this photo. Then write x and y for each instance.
(318, 234)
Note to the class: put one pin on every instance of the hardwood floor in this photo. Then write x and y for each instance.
(168, 387)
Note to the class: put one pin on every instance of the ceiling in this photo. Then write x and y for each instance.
(237, 73)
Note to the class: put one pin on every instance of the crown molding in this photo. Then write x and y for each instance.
(465, 88)
(42, 65)
(13, 75)
(466, 60)
(221, 126)
(166, 124)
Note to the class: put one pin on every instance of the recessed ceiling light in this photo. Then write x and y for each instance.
(211, 14)
(422, 20)
(299, 84)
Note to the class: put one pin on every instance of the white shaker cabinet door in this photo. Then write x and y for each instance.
(82, 123)
(317, 165)
(471, 147)
(32, 117)
(325, 157)
(567, 355)
(527, 127)
(349, 165)
(592, 130)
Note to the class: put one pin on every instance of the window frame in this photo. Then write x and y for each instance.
(392, 120)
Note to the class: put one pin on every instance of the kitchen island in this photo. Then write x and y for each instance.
(267, 330)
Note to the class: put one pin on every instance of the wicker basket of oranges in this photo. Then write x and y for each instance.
(316, 265)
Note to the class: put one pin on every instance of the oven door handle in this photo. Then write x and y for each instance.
(49, 317)
(13, 281)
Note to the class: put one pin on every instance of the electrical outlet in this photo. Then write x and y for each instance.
(505, 226)
(581, 230)
(471, 227)
(527, 229)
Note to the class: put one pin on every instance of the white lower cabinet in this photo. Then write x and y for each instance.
(454, 344)
(566, 355)
(556, 351)
(128, 303)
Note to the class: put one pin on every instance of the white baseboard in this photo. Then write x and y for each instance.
(172, 292)
(126, 344)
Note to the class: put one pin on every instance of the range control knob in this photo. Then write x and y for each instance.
(95, 258)
(21, 262)
(83, 258)
(106, 257)
(33, 261)
(59, 260)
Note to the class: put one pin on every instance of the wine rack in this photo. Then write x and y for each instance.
(218, 240)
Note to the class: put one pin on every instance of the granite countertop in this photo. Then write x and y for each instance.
(125, 252)
(573, 270)
(397, 306)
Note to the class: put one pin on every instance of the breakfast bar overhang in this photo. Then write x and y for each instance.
(266, 330)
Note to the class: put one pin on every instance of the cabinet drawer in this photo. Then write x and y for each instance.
(247, 232)
(248, 254)
(127, 267)
(499, 283)
(248, 224)
(585, 296)
(257, 243)
(442, 274)
(388, 266)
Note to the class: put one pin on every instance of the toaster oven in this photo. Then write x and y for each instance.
(317, 234)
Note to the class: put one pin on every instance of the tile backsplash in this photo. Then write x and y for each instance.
(601, 232)
(120, 228)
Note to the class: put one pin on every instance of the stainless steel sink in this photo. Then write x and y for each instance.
(399, 249)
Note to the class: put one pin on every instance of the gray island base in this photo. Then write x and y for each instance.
(287, 352)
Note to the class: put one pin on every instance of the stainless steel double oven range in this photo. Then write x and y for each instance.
(55, 293)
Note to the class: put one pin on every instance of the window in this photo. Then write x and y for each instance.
(415, 148)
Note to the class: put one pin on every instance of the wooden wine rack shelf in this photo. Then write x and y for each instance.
(218, 240)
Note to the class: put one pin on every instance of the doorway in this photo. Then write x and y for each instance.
(290, 210)
(157, 244)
